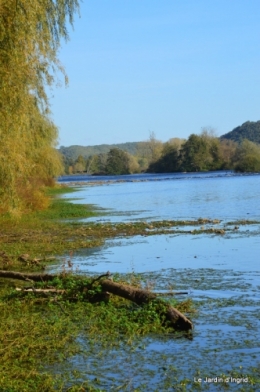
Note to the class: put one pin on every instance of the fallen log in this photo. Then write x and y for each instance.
(26, 277)
(176, 318)
(139, 296)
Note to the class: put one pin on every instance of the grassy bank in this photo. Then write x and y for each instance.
(37, 332)
(60, 230)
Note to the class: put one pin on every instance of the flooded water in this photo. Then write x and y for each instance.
(220, 273)
(224, 196)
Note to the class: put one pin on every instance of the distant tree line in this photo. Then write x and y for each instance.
(116, 162)
(204, 152)
(74, 151)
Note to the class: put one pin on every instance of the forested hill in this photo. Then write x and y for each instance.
(249, 130)
(72, 152)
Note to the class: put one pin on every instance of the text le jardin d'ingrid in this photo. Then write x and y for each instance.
(221, 380)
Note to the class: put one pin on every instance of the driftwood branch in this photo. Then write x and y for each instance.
(26, 258)
(33, 290)
(98, 278)
(176, 318)
(139, 296)
(28, 277)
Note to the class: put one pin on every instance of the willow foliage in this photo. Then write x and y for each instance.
(30, 35)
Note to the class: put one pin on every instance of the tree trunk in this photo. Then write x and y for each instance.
(30, 277)
(139, 296)
(176, 318)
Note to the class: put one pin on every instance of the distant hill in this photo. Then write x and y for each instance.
(249, 130)
(72, 152)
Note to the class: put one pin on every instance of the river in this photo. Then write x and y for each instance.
(220, 272)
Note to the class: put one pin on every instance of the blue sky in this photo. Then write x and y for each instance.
(165, 66)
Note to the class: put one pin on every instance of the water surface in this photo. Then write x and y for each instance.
(220, 273)
(226, 196)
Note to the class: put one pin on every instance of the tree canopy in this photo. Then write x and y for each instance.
(30, 35)
(204, 152)
(117, 162)
(249, 130)
(248, 157)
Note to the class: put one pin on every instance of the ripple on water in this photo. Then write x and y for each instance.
(226, 296)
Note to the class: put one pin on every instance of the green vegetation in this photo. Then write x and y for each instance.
(204, 152)
(115, 162)
(134, 159)
(200, 153)
(72, 152)
(38, 331)
(55, 231)
(30, 37)
(169, 159)
(250, 130)
(248, 157)
(119, 162)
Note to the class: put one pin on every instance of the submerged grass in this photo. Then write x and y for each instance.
(36, 333)
(39, 331)
(40, 335)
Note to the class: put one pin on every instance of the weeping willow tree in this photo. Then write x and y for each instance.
(30, 36)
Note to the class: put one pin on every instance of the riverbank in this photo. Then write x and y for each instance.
(62, 229)
(38, 332)
(50, 343)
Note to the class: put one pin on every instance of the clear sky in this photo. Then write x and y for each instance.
(165, 66)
